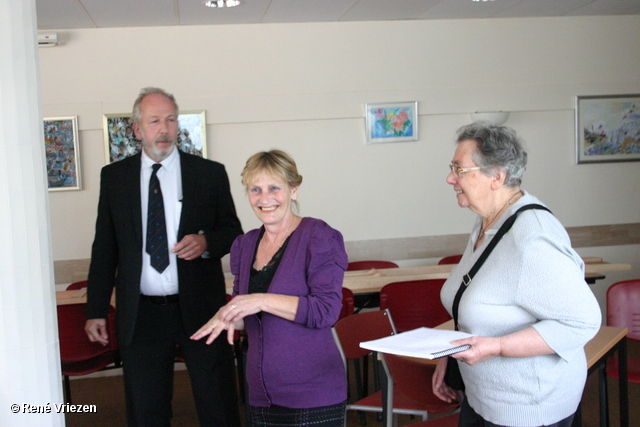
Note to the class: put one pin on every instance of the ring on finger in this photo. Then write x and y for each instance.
(233, 306)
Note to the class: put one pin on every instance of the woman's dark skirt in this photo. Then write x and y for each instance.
(277, 416)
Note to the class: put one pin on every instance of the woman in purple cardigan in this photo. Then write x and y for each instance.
(287, 295)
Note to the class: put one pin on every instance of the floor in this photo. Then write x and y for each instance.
(107, 394)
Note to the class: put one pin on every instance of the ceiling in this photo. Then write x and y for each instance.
(73, 14)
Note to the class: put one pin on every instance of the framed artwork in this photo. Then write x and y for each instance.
(62, 153)
(607, 128)
(120, 140)
(391, 122)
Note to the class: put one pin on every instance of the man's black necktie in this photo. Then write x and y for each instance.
(156, 225)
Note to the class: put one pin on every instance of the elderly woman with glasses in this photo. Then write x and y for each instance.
(528, 307)
(287, 295)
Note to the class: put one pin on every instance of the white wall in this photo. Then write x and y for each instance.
(302, 88)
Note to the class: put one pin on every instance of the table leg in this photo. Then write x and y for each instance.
(604, 397)
(623, 383)
(577, 418)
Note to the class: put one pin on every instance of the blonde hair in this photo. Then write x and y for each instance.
(276, 163)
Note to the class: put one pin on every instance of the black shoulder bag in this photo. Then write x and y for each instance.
(452, 375)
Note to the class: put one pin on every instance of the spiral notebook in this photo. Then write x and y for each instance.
(424, 343)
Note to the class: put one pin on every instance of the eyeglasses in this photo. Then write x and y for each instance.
(457, 170)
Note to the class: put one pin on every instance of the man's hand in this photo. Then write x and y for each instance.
(190, 247)
(96, 330)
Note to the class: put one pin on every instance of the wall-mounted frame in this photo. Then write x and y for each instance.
(120, 141)
(391, 122)
(607, 128)
(62, 153)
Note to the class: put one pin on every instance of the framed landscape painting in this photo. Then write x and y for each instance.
(391, 122)
(120, 141)
(607, 128)
(62, 154)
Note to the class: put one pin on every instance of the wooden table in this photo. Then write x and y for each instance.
(608, 341)
(77, 296)
(373, 280)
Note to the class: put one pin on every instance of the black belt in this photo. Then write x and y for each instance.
(161, 299)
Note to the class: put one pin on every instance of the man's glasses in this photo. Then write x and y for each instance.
(457, 170)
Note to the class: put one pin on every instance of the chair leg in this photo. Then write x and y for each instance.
(240, 368)
(376, 377)
(360, 388)
(67, 389)
(245, 347)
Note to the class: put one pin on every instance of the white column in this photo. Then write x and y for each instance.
(29, 352)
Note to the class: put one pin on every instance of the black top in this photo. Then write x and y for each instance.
(259, 280)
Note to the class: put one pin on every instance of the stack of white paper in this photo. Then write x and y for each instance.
(425, 343)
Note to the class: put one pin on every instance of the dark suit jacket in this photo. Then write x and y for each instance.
(116, 257)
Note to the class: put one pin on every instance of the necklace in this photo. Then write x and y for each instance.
(269, 248)
(497, 215)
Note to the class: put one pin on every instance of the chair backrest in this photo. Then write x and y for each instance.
(77, 285)
(414, 303)
(352, 330)
(451, 259)
(368, 265)
(623, 306)
(348, 306)
(74, 343)
(412, 378)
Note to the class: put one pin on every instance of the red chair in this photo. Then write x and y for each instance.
(414, 303)
(347, 303)
(446, 421)
(409, 385)
(77, 285)
(368, 299)
(451, 259)
(623, 309)
(368, 265)
(348, 334)
(78, 355)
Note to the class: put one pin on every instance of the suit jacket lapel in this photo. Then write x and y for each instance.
(188, 189)
(132, 193)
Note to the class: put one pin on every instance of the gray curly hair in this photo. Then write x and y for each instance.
(498, 147)
(137, 111)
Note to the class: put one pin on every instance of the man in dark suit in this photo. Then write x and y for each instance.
(165, 218)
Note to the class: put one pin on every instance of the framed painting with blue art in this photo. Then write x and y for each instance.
(391, 122)
(120, 141)
(607, 128)
(62, 153)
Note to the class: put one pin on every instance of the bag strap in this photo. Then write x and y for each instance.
(504, 228)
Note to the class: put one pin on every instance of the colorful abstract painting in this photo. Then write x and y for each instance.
(608, 128)
(120, 141)
(61, 151)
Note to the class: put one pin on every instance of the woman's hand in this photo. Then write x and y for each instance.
(482, 348)
(240, 307)
(524, 343)
(215, 326)
(440, 389)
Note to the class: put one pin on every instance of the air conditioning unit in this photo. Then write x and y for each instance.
(47, 39)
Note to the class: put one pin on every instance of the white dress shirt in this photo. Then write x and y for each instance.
(169, 175)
